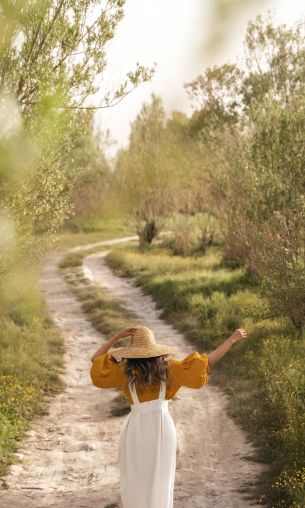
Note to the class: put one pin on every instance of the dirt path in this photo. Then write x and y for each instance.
(70, 456)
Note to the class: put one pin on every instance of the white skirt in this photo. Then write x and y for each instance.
(147, 454)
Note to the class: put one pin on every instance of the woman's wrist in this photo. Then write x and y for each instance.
(231, 340)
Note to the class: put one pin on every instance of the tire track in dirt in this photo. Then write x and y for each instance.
(69, 458)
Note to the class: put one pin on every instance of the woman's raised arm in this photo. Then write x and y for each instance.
(125, 332)
(218, 353)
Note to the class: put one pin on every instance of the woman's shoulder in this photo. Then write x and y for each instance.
(191, 371)
(105, 371)
(194, 355)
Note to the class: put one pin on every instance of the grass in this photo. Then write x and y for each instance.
(264, 375)
(104, 312)
(83, 232)
(30, 361)
(206, 300)
(121, 407)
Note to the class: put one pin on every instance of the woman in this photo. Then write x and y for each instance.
(149, 379)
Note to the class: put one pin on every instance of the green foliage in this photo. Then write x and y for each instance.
(105, 313)
(160, 261)
(51, 56)
(31, 349)
(151, 173)
(190, 289)
(249, 126)
(91, 185)
(192, 233)
(82, 232)
(54, 33)
(184, 234)
(140, 181)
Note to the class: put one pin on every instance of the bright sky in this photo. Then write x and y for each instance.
(175, 35)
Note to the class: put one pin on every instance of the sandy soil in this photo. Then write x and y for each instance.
(69, 458)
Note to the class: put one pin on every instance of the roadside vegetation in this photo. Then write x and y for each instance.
(31, 348)
(206, 296)
(264, 375)
(82, 232)
(231, 177)
(31, 353)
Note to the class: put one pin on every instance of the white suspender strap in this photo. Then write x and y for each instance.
(162, 392)
(133, 394)
(135, 398)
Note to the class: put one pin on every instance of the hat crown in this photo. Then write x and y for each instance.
(143, 345)
(142, 337)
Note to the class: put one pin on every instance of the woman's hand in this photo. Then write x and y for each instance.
(218, 353)
(125, 332)
(238, 335)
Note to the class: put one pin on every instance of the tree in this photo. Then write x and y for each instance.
(249, 127)
(92, 181)
(140, 176)
(151, 178)
(59, 46)
(51, 54)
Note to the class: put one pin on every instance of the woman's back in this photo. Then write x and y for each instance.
(148, 440)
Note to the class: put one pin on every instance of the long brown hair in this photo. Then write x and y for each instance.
(141, 371)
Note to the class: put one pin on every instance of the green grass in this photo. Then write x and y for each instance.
(263, 375)
(30, 361)
(93, 231)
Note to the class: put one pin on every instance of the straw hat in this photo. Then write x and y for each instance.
(143, 345)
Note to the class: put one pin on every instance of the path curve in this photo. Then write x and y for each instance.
(69, 458)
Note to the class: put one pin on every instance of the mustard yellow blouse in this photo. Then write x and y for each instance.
(191, 372)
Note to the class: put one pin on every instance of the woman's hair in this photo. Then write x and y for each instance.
(141, 371)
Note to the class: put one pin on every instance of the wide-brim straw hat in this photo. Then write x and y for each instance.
(143, 345)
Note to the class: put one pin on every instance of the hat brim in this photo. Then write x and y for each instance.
(138, 352)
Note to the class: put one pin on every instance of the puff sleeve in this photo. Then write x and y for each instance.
(105, 372)
(192, 371)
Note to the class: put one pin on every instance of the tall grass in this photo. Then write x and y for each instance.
(263, 375)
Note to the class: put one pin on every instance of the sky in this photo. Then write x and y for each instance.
(183, 37)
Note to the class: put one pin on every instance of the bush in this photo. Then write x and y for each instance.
(192, 233)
